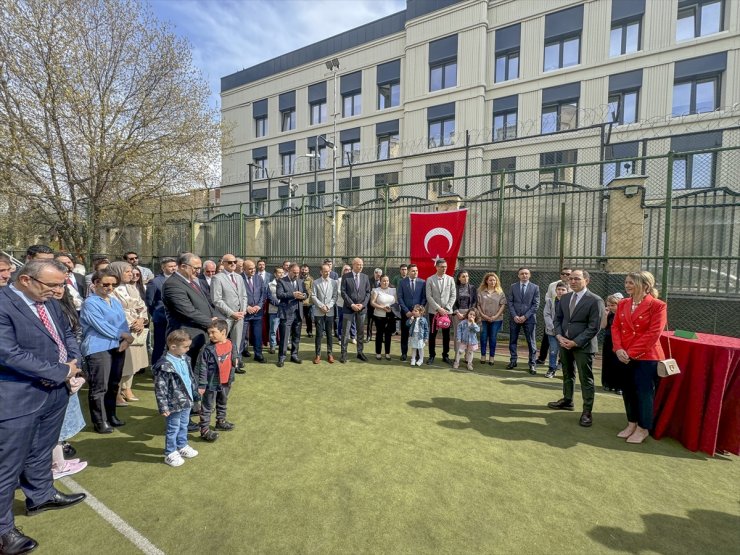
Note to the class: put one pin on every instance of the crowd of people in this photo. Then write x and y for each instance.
(209, 319)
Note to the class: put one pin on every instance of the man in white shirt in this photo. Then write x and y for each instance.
(441, 294)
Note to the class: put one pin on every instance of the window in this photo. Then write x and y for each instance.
(259, 196)
(624, 39)
(507, 165)
(441, 132)
(323, 157)
(350, 153)
(507, 67)
(695, 97)
(698, 19)
(559, 117)
(387, 146)
(562, 53)
(507, 53)
(386, 182)
(389, 95)
(318, 112)
(351, 105)
(440, 180)
(260, 126)
(260, 170)
(626, 153)
(623, 107)
(443, 63)
(316, 194)
(564, 172)
(695, 170)
(563, 38)
(287, 163)
(349, 194)
(288, 120)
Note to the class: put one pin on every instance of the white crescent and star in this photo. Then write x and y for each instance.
(441, 231)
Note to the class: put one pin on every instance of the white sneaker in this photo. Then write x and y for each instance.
(188, 452)
(174, 459)
(68, 468)
(420, 362)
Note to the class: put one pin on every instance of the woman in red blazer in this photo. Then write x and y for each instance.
(636, 330)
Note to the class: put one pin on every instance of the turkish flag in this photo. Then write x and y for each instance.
(436, 235)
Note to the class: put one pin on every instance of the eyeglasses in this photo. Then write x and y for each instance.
(107, 285)
(196, 268)
(229, 261)
(49, 285)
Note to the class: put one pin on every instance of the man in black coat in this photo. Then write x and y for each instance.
(291, 292)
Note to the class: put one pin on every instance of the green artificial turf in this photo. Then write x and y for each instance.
(384, 458)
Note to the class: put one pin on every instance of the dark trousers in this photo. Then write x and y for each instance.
(369, 332)
(324, 326)
(404, 335)
(570, 359)
(356, 319)
(198, 338)
(340, 324)
(308, 318)
(433, 339)
(104, 371)
(384, 329)
(253, 334)
(544, 348)
(26, 443)
(208, 401)
(528, 328)
(159, 340)
(290, 325)
(640, 381)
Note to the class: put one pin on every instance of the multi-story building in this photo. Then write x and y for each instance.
(448, 88)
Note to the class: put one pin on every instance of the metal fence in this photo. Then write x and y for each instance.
(541, 218)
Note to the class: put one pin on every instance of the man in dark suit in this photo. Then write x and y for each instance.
(186, 304)
(206, 276)
(155, 306)
(38, 357)
(411, 291)
(355, 293)
(256, 291)
(291, 292)
(523, 299)
(74, 280)
(577, 321)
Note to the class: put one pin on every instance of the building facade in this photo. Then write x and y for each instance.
(451, 88)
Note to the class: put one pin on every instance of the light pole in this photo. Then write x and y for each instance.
(333, 66)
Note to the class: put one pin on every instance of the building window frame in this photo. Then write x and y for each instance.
(696, 12)
(260, 126)
(445, 132)
(260, 168)
(447, 72)
(557, 109)
(509, 169)
(323, 158)
(561, 43)
(318, 112)
(687, 166)
(287, 163)
(352, 104)
(625, 46)
(505, 121)
(350, 152)
(288, 120)
(389, 95)
(509, 69)
(619, 111)
(386, 143)
(563, 168)
(696, 83)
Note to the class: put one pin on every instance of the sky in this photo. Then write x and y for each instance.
(229, 35)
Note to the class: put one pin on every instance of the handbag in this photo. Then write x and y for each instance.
(668, 366)
(140, 338)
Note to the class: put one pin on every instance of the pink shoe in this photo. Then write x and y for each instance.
(68, 468)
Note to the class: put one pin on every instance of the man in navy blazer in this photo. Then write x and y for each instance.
(411, 291)
(38, 357)
(291, 292)
(523, 299)
(355, 292)
(155, 306)
(256, 296)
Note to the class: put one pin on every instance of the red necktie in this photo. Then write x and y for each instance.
(233, 280)
(192, 284)
(44, 317)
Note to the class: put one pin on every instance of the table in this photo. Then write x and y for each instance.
(700, 407)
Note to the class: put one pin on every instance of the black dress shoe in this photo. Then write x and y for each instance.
(561, 404)
(343, 358)
(586, 419)
(240, 370)
(69, 451)
(116, 422)
(58, 501)
(14, 542)
(538, 361)
(103, 428)
(246, 353)
(511, 365)
(295, 360)
(403, 358)
(362, 357)
(533, 369)
(446, 359)
(430, 361)
(259, 359)
(281, 362)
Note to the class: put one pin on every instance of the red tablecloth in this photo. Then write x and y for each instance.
(701, 406)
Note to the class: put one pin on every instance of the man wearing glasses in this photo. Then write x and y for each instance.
(550, 295)
(186, 304)
(38, 358)
(228, 293)
(146, 274)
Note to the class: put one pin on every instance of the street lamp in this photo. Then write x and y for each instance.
(333, 66)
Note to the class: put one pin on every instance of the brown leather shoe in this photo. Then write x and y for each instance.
(330, 358)
(317, 359)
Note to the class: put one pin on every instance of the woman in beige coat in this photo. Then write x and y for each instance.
(134, 307)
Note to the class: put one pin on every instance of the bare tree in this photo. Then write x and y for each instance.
(101, 111)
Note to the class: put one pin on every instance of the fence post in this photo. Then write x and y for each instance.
(467, 160)
(667, 229)
(303, 227)
(562, 235)
(385, 229)
(500, 238)
(241, 224)
(192, 229)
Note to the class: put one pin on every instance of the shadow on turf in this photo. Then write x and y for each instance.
(557, 428)
(703, 531)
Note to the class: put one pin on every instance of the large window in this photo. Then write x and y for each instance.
(318, 112)
(323, 157)
(696, 87)
(441, 132)
(317, 102)
(259, 113)
(507, 165)
(387, 146)
(698, 18)
(695, 170)
(288, 120)
(563, 38)
(505, 118)
(507, 53)
(625, 155)
(351, 90)
(349, 194)
(443, 63)
(558, 167)
(507, 67)
(623, 97)
(440, 180)
(316, 194)
(260, 169)
(287, 111)
(560, 108)
(388, 77)
(287, 163)
(624, 38)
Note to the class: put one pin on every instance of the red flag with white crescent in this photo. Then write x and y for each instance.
(436, 235)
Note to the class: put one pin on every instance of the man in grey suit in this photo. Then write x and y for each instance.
(523, 299)
(324, 298)
(355, 293)
(230, 297)
(441, 294)
(577, 321)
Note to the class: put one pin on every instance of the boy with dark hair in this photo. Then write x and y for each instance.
(215, 369)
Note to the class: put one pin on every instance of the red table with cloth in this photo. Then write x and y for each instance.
(700, 407)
